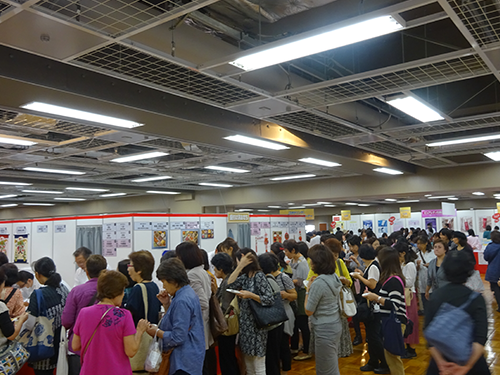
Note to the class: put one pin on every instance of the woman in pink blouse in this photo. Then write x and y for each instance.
(12, 297)
(115, 339)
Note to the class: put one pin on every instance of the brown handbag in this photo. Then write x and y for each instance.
(165, 363)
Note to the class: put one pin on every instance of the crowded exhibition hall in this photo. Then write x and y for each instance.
(249, 187)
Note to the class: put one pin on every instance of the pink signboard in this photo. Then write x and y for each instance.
(434, 213)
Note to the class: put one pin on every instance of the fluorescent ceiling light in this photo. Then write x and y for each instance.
(47, 170)
(9, 205)
(293, 177)
(390, 200)
(410, 201)
(38, 204)
(215, 185)
(351, 204)
(16, 141)
(297, 208)
(493, 155)
(323, 163)
(86, 189)
(428, 195)
(388, 171)
(319, 43)
(291, 204)
(263, 210)
(244, 210)
(157, 178)
(478, 193)
(136, 157)
(14, 183)
(324, 202)
(162, 192)
(464, 140)
(443, 197)
(226, 169)
(363, 205)
(80, 115)
(69, 199)
(453, 199)
(310, 204)
(7, 196)
(330, 205)
(42, 191)
(256, 142)
(112, 195)
(416, 109)
(273, 206)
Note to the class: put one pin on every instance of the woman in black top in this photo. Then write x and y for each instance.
(458, 265)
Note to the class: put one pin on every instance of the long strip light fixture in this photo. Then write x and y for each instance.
(47, 170)
(16, 141)
(42, 191)
(388, 171)
(15, 183)
(86, 189)
(416, 109)
(324, 41)
(493, 155)
(256, 142)
(156, 178)
(8, 196)
(226, 169)
(112, 195)
(464, 140)
(163, 192)
(80, 115)
(323, 163)
(215, 185)
(136, 157)
(294, 177)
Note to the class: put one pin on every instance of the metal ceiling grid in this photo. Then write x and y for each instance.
(431, 163)
(112, 17)
(482, 19)
(4, 7)
(393, 82)
(467, 148)
(308, 121)
(90, 144)
(163, 143)
(388, 148)
(148, 68)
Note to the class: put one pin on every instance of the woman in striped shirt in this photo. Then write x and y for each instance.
(391, 297)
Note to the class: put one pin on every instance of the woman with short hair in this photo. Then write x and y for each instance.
(425, 255)
(182, 328)
(105, 333)
(435, 275)
(12, 297)
(322, 305)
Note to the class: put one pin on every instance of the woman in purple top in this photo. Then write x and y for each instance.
(116, 339)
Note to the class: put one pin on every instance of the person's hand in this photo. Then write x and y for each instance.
(151, 330)
(356, 275)
(143, 325)
(371, 296)
(244, 261)
(344, 281)
(358, 271)
(311, 280)
(450, 368)
(24, 317)
(163, 297)
(419, 261)
(213, 284)
(283, 294)
(245, 294)
(427, 295)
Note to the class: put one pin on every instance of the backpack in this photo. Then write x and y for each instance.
(454, 342)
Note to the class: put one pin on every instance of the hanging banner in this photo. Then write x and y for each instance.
(346, 215)
(21, 248)
(498, 207)
(308, 212)
(4, 242)
(405, 212)
(238, 217)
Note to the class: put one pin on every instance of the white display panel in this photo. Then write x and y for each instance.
(260, 233)
(42, 243)
(122, 252)
(63, 247)
(219, 231)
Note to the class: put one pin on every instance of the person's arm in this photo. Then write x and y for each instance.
(69, 313)
(9, 329)
(265, 293)
(411, 275)
(371, 283)
(289, 294)
(242, 263)
(312, 299)
(131, 343)
(455, 369)
(180, 316)
(345, 272)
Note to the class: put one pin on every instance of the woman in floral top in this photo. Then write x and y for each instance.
(252, 283)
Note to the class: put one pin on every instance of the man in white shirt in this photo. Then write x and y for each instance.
(81, 255)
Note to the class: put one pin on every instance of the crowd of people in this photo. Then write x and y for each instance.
(113, 316)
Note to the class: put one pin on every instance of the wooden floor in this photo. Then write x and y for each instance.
(418, 365)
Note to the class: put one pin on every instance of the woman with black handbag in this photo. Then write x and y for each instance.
(251, 283)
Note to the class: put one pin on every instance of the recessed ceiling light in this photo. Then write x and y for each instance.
(47, 170)
(410, 201)
(297, 207)
(70, 199)
(478, 193)
(136, 157)
(316, 42)
(388, 171)
(162, 192)
(390, 200)
(16, 141)
(493, 155)
(112, 195)
(80, 115)
(9, 205)
(291, 204)
(15, 183)
(226, 169)
(215, 185)
(464, 140)
(363, 205)
(453, 199)
(256, 142)
(7, 196)
(293, 177)
(323, 163)
(351, 204)
(330, 205)
(157, 178)
(86, 189)
(42, 191)
(274, 206)
(442, 197)
(428, 195)
(38, 204)
(416, 109)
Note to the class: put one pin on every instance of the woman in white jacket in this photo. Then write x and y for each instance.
(190, 254)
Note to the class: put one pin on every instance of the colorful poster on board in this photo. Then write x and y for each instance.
(367, 224)
(405, 212)
(398, 224)
(160, 239)
(483, 222)
(4, 242)
(466, 223)
(190, 236)
(432, 222)
(346, 215)
(207, 234)
(413, 223)
(382, 226)
(21, 248)
(448, 222)
(277, 236)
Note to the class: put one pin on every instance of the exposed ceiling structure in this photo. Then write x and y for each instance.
(166, 63)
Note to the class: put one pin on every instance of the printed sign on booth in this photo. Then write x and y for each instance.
(346, 215)
(405, 212)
